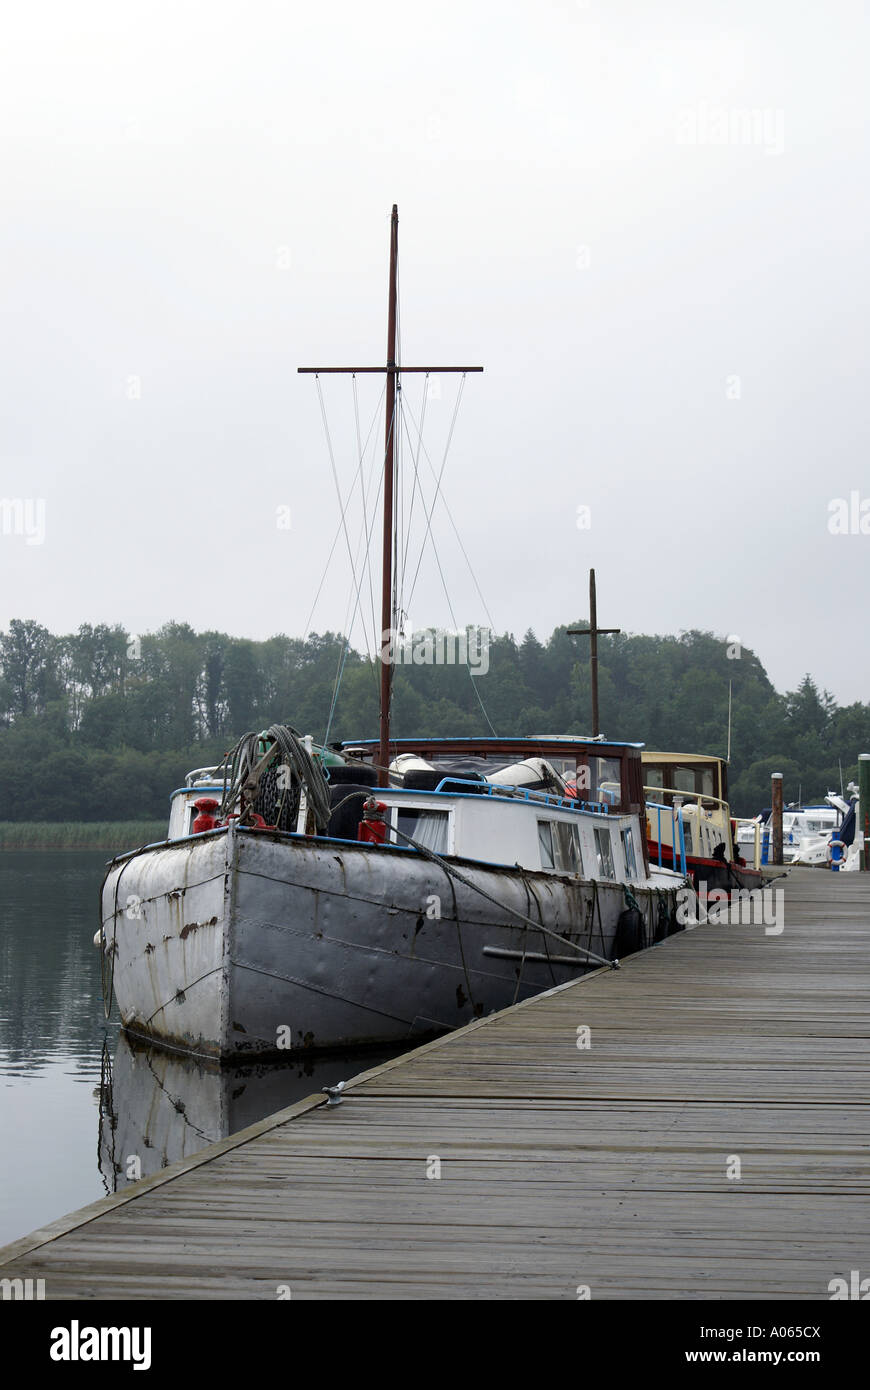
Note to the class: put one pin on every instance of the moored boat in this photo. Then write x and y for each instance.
(807, 831)
(381, 891)
(689, 821)
(414, 909)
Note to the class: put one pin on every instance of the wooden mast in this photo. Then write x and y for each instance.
(388, 625)
(393, 371)
(594, 632)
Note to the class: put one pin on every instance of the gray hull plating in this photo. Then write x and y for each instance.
(236, 942)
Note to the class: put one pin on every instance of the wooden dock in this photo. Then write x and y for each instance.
(609, 1169)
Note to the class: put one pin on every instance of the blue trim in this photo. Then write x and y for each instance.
(553, 743)
(206, 787)
(530, 798)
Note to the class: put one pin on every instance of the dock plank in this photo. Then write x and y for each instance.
(560, 1167)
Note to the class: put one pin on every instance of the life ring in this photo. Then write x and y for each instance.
(840, 844)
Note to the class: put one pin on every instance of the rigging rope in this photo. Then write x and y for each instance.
(438, 486)
(446, 506)
(416, 475)
(362, 491)
(338, 529)
(474, 685)
(342, 506)
(351, 619)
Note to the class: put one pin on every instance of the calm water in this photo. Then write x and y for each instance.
(82, 1111)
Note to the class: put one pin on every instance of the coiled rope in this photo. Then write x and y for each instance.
(245, 760)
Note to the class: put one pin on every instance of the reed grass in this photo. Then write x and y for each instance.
(108, 835)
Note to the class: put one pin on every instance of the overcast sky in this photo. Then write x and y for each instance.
(648, 223)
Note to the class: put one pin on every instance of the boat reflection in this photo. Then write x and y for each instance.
(157, 1107)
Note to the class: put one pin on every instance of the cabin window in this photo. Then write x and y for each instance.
(630, 857)
(684, 779)
(428, 828)
(687, 837)
(545, 844)
(559, 843)
(707, 781)
(604, 854)
(605, 779)
(654, 777)
(566, 848)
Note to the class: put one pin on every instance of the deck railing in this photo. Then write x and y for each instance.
(678, 833)
(517, 793)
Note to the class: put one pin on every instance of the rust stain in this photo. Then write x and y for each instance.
(195, 926)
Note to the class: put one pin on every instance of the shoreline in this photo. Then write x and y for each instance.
(114, 836)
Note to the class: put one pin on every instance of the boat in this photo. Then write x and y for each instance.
(807, 830)
(689, 821)
(416, 908)
(313, 897)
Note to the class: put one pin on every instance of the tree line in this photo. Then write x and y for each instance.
(99, 725)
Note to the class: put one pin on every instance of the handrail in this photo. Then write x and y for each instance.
(659, 807)
(701, 797)
(694, 796)
(193, 776)
(515, 793)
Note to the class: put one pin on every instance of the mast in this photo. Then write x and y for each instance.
(393, 371)
(387, 608)
(593, 631)
(593, 652)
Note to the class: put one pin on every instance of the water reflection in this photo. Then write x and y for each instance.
(157, 1107)
(70, 1083)
(50, 998)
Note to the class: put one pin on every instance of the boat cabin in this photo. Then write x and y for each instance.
(557, 805)
(686, 804)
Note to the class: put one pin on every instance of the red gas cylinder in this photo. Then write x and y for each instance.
(372, 828)
(206, 819)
